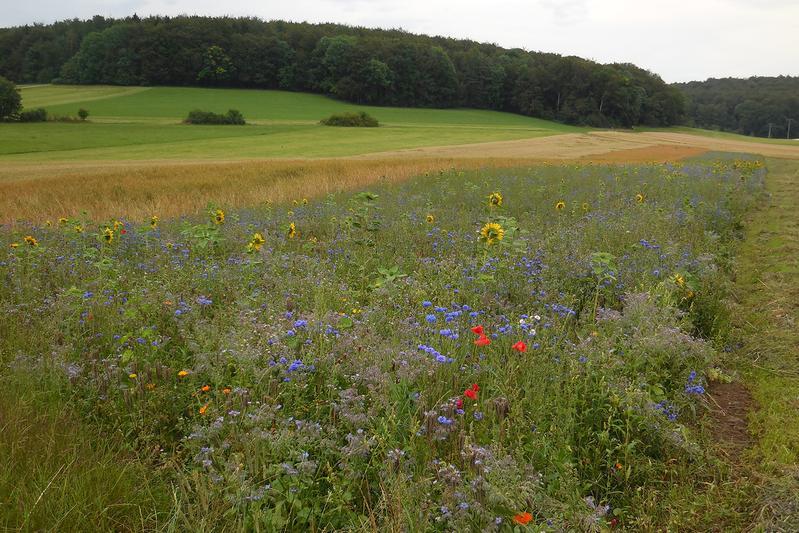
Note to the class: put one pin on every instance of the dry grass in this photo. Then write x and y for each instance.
(138, 191)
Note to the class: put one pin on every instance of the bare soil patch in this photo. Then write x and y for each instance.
(730, 405)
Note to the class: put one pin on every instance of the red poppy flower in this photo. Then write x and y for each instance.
(523, 518)
(469, 393)
(478, 330)
(483, 341)
(123, 232)
(520, 346)
(475, 387)
(459, 403)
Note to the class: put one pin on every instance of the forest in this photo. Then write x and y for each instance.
(360, 65)
(752, 106)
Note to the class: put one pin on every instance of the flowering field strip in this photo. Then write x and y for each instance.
(467, 350)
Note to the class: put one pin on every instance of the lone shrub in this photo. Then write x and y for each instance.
(207, 117)
(360, 119)
(10, 99)
(33, 115)
(83, 113)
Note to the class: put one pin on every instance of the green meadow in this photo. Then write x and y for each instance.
(145, 123)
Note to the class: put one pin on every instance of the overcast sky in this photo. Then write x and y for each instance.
(679, 39)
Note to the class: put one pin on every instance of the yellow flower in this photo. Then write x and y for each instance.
(154, 221)
(219, 217)
(48, 223)
(62, 221)
(78, 228)
(430, 219)
(133, 376)
(108, 236)
(150, 386)
(292, 231)
(586, 207)
(492, 233)
(183, 373)
(31, 241)
(495, 199)
(639, 198)
(679, 280)
(14, 245)
(305, 201)
(118, 225)
(256, 242)
(561, 205)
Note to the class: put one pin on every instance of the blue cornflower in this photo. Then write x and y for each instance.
(443, 420)
(430, 318)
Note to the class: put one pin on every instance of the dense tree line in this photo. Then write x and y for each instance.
(383, 67)
(745, 106)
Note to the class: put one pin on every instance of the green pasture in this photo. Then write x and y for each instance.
(145, 123)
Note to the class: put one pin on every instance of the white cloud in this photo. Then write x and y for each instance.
(678, 39)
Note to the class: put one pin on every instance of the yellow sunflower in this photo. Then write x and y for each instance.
(640, 198)
(492, 233)
(292, 231)
(108, 236)
(495, 199)
(560, 206)
(256, 242)
(31, 241)
(430, 219)
(219, 217)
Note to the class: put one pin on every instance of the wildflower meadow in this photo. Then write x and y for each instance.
(470, 350)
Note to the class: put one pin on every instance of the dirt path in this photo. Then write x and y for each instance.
(767, 323)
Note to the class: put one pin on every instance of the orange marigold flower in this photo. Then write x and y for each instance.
(205, 388)
(523, 518)
(183, 373)
(226, 390)
(203, 409)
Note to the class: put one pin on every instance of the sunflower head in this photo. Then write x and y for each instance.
(219, 217)
(154, 221)
(108, 236)
(118, 225)
(292, 231)
(430, 219)
(560, 206)
(640, 198)
(78, 228)
(586, 207)
(305, 201)
(256, 242)
(492, 233)
(495, 199)
(14, 245)
(62, 221)
(31, 241)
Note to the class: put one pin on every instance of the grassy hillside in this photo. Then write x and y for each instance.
(144, 123)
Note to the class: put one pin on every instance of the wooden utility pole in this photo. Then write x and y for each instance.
(770, 124)
(788, 135)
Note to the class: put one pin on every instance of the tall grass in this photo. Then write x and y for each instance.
(137, 191)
